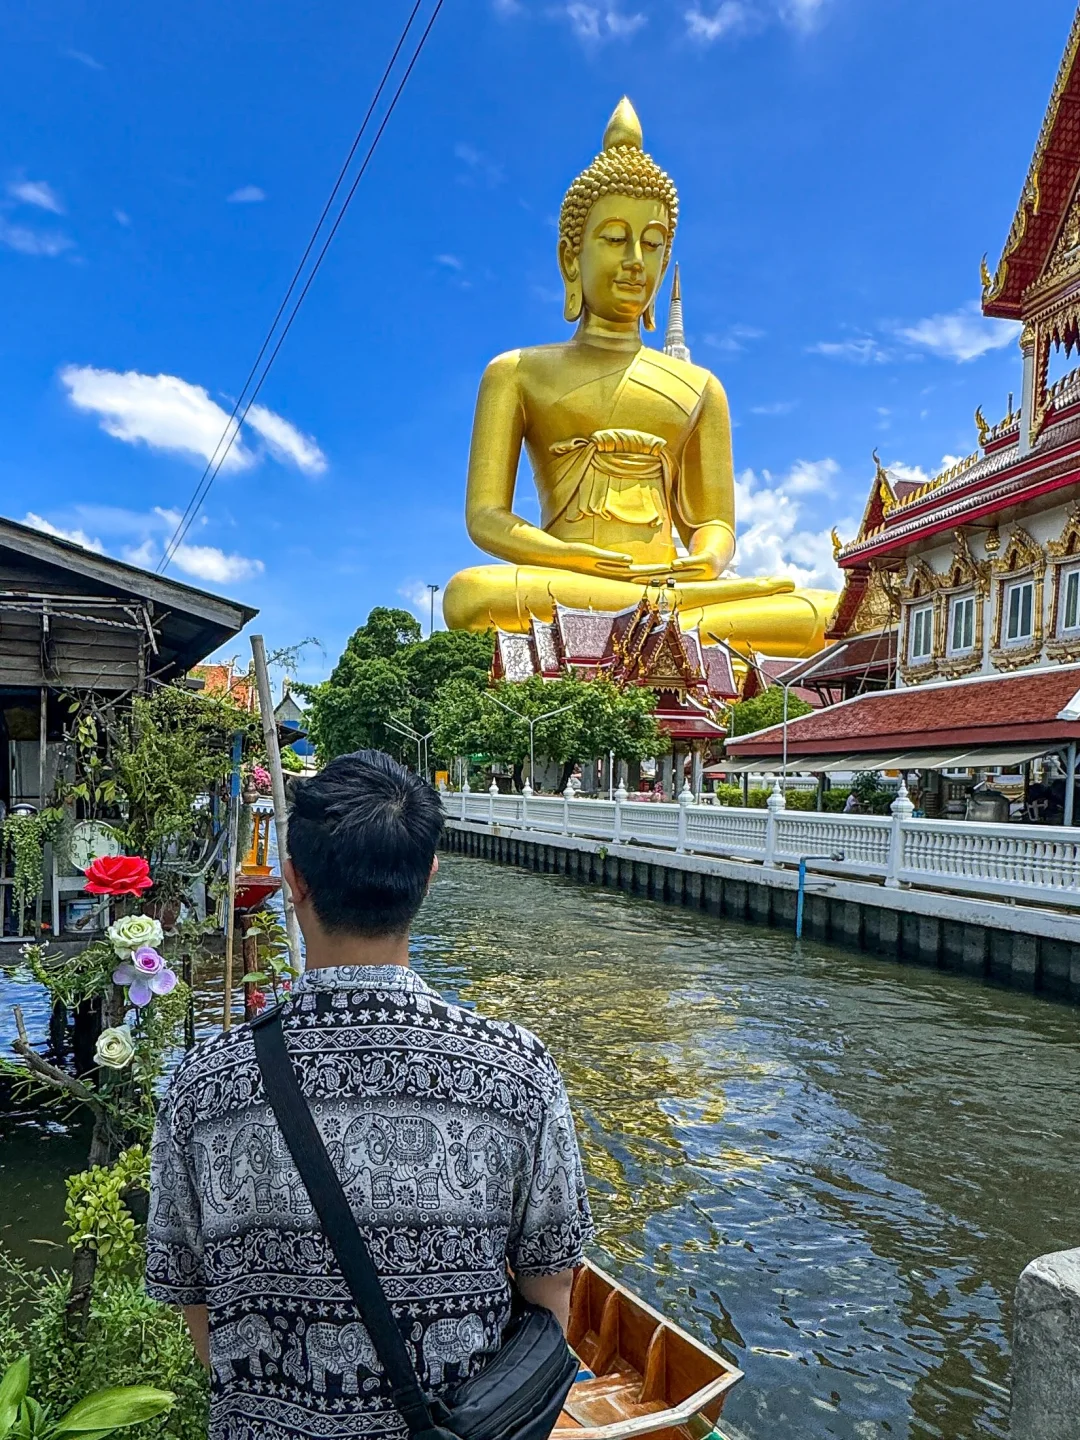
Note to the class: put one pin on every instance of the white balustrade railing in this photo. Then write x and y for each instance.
(1039, 864)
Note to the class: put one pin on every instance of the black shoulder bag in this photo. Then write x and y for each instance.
(517, 1395)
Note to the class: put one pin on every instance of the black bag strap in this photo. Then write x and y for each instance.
(338, 1222)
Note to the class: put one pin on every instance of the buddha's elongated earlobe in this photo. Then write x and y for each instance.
(572, 305)
(649, 317)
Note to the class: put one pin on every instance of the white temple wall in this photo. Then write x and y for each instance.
(1006, 632)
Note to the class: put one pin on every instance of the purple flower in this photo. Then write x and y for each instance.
(147, 960)
(145, 975)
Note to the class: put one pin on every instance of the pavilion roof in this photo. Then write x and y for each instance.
(1033, 705)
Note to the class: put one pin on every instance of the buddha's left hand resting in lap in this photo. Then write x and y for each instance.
(629, 447)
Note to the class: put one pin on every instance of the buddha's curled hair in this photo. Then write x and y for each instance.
(621, 168)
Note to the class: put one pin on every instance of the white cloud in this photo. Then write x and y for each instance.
(771, 540)
(162, 411)
(707, 24)
(802, 14)
(77, 537)
(38, 193)
(450, 261)
(121, 217)
(140, 537)
(914, 473)
(774, 407)
(33, 242)
(961, 335)
(733, 341)
(594, 23)
(479, 166)
(286, 443)
(863, 350)
(84, 59)
(168, 413)
(247, 195)
(207, 562)
(732, 15)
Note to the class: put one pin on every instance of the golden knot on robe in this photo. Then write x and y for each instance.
(622, 475)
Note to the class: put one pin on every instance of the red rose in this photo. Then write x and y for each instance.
(118, 875)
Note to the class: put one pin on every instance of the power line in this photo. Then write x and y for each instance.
(236, 419)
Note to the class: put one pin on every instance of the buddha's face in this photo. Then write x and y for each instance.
(621, 260)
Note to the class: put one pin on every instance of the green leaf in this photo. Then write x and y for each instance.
(113, 1409)
(13, 1388)
(255, 978)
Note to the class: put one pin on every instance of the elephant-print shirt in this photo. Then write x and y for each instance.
(453, 1137)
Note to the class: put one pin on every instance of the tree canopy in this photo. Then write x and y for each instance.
(387, 671)
(764, 710)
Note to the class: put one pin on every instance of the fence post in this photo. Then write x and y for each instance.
(493, 790)
(567, 796)
(773, 805)
(686, 799)
(620, 801)
(464, 796)
(526, 796)
(902, 810)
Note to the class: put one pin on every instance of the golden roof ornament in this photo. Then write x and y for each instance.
(981, 425)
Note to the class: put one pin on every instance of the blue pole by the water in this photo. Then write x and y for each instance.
(799, 902)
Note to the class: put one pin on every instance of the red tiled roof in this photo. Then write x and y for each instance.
(872, 653)
(584, 634)
(985, 710)
(719, 675)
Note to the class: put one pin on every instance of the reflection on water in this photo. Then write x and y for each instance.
(831, 1167)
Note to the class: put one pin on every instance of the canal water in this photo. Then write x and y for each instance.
(831, 1168)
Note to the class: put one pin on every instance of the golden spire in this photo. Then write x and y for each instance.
(676, 288)
(624, 127)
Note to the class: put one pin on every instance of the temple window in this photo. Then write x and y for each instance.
(961, 624)
(1069, 622)
(1019, 612)
(922, 632)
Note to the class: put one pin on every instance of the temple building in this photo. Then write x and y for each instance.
(967, 588)
(640, 646)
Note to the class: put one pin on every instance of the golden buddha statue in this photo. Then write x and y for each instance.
(629, 446)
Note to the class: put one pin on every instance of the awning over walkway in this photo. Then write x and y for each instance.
(963, 724)
(977, 758)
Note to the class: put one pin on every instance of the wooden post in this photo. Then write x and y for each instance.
(42, 734)
(277, 788)
(230, 898)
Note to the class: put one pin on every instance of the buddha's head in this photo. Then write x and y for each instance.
(616, 227)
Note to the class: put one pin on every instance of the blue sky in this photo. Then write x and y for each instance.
(842, 166)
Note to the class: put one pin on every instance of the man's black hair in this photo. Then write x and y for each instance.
(363, 834)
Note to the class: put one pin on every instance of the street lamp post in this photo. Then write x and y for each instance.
(431, 621)
(532, 724)
(420, 740)
(798, 680)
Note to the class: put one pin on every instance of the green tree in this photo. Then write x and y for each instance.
(446, 656)
(763, 710)
(383, 636)
(611, 718)
(353, 716)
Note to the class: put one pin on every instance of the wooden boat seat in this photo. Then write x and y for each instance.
(642, 1375)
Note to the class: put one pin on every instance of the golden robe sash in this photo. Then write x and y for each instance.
(613, 474)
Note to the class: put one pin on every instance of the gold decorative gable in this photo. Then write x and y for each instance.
(964, 570)
(1065, 257)
(1020, 554)
(1069, 543)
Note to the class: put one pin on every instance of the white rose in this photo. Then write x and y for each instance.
(115, 1048)
(131, 932)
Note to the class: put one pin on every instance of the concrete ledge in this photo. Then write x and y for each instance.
(1020, 946)
(1046, 1350)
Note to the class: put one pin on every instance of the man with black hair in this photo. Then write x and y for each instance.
(451, 1133)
